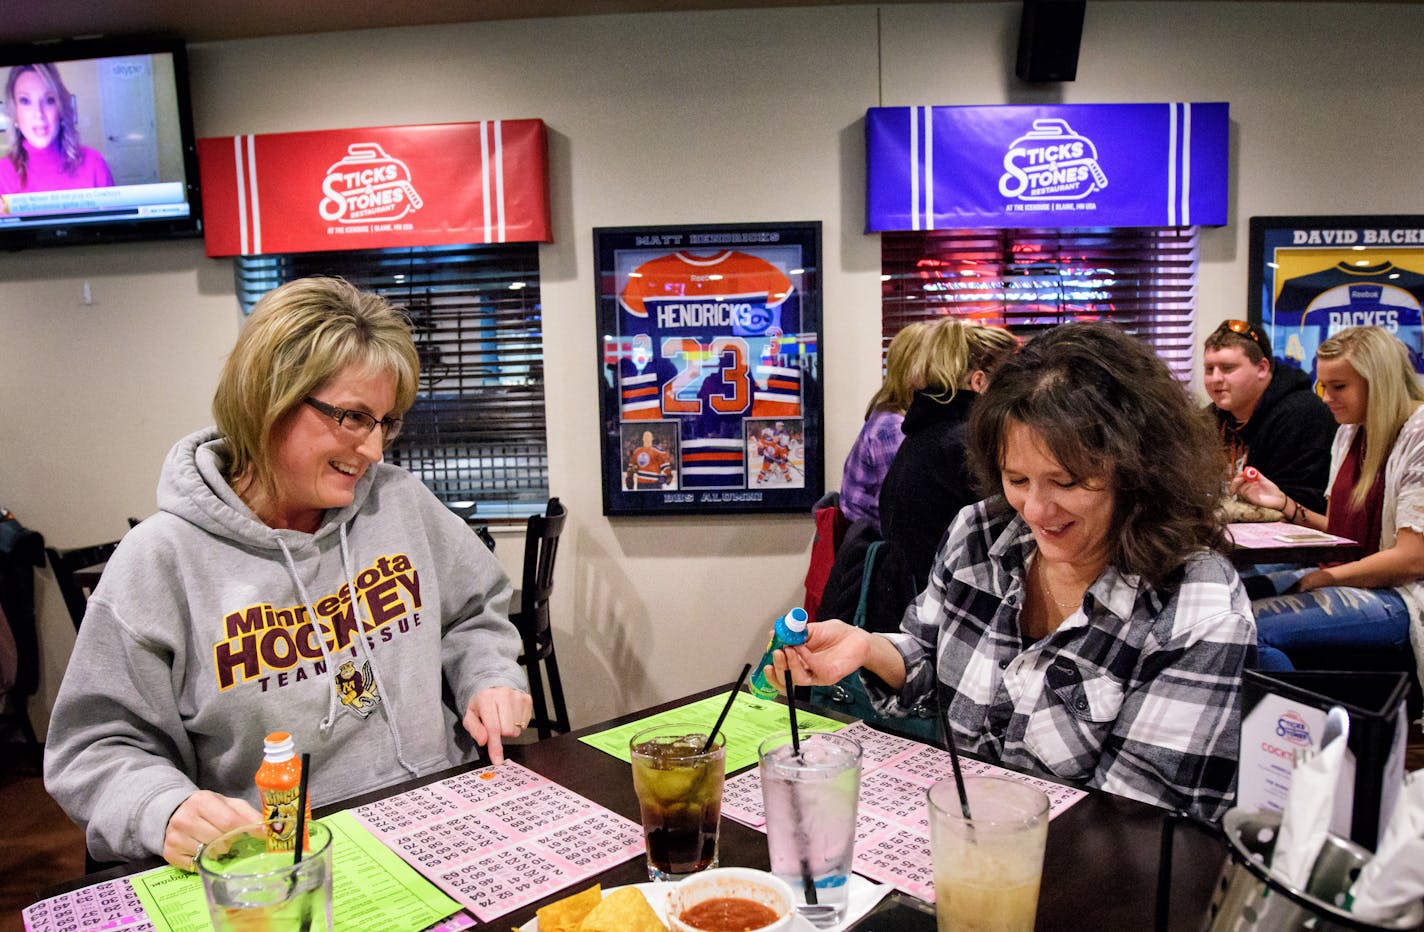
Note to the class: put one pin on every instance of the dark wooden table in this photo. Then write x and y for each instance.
(1100, 868)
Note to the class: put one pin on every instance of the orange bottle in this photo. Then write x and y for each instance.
(279, 782)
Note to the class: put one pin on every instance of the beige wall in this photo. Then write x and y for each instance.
(668, 118)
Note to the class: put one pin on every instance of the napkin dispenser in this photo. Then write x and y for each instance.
(1282, 712)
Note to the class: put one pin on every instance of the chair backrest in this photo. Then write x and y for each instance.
(66, 563)
(541, 547)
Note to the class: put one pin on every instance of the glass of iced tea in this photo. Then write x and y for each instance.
(679, 787)
(987, 868)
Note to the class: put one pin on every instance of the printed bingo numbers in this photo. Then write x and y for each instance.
(499, 839)
(109, 905)
(892, 843)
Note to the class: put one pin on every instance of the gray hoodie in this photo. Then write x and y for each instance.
(197, 643)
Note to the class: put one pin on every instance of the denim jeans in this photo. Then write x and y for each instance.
(1335, 616)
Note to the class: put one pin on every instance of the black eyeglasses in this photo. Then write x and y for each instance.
(1244, 329)
(358, 422)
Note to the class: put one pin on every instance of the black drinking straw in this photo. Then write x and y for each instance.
(712, 735)
(958, 776)
(297, 843)
(808, 883)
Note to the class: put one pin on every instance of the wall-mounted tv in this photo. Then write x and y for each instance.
(96, 143)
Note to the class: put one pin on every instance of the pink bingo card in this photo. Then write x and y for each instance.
(112, 904)
(892, 842)
(496, 839)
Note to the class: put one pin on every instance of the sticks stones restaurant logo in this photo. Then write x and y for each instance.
(367, 186)
(1051, 163)
(277, 645)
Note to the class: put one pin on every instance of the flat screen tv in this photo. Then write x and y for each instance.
(96, 143)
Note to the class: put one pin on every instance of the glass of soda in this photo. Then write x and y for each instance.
(679, 787)
(811, 799)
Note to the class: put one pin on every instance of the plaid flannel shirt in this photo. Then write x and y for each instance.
(1136, 693)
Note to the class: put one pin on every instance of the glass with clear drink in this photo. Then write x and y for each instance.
(250, 888)
(811, 801)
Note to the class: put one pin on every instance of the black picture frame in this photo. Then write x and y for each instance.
(1312, 276)
(710, 375)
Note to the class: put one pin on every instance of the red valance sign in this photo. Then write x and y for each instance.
(375, 188)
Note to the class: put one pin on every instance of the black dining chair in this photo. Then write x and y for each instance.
(531, 617)
(66, 563)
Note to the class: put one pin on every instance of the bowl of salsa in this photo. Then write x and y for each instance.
(730, 899)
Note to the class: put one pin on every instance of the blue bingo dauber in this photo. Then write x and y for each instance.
(789, 630)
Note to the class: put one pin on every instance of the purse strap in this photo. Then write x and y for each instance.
(865, 576)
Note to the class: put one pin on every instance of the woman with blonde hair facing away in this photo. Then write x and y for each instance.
(290, 581)
(1375, 496)
(45, 152)
(929, 480)
(880, 436)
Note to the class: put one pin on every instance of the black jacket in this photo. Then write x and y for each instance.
(928, 481)
(21, 550)
(1287, 437)
(887, 590)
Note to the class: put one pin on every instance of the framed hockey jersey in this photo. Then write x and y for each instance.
(710, 383)
(1311, 277)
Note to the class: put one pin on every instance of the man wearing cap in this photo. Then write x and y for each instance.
(1269, 414)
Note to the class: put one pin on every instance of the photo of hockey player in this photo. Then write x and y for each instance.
(649, 452)
(1319, 275)
(776, 455)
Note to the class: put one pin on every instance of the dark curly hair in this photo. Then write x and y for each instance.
(1108, 408)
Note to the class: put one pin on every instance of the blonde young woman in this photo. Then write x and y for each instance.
(874, 448)
(1375, 496)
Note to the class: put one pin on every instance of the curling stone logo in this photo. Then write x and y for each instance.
(1051, 163)
(367, 185)
(1293, 729)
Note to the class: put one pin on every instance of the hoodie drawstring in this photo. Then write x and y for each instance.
(330, 719)
(333, 700)
(386, 705)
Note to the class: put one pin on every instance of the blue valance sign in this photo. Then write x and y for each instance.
(1069, 165)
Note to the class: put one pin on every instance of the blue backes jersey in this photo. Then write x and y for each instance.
(1310, 308)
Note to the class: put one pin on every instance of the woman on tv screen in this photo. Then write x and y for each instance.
(45, 151)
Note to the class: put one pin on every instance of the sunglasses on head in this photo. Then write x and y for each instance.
(1244, 329)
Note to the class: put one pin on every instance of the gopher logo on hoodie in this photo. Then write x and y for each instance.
(357, 690)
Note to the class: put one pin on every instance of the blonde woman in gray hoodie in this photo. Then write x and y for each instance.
(290, 581)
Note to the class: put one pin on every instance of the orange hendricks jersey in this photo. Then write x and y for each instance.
(726, 290)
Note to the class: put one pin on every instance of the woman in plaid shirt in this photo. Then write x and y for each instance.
(1079, 621)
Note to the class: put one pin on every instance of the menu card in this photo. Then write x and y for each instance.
(892, 840)
(499, 838)
(748, 723)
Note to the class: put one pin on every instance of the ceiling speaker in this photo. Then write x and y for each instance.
(1049, 34)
